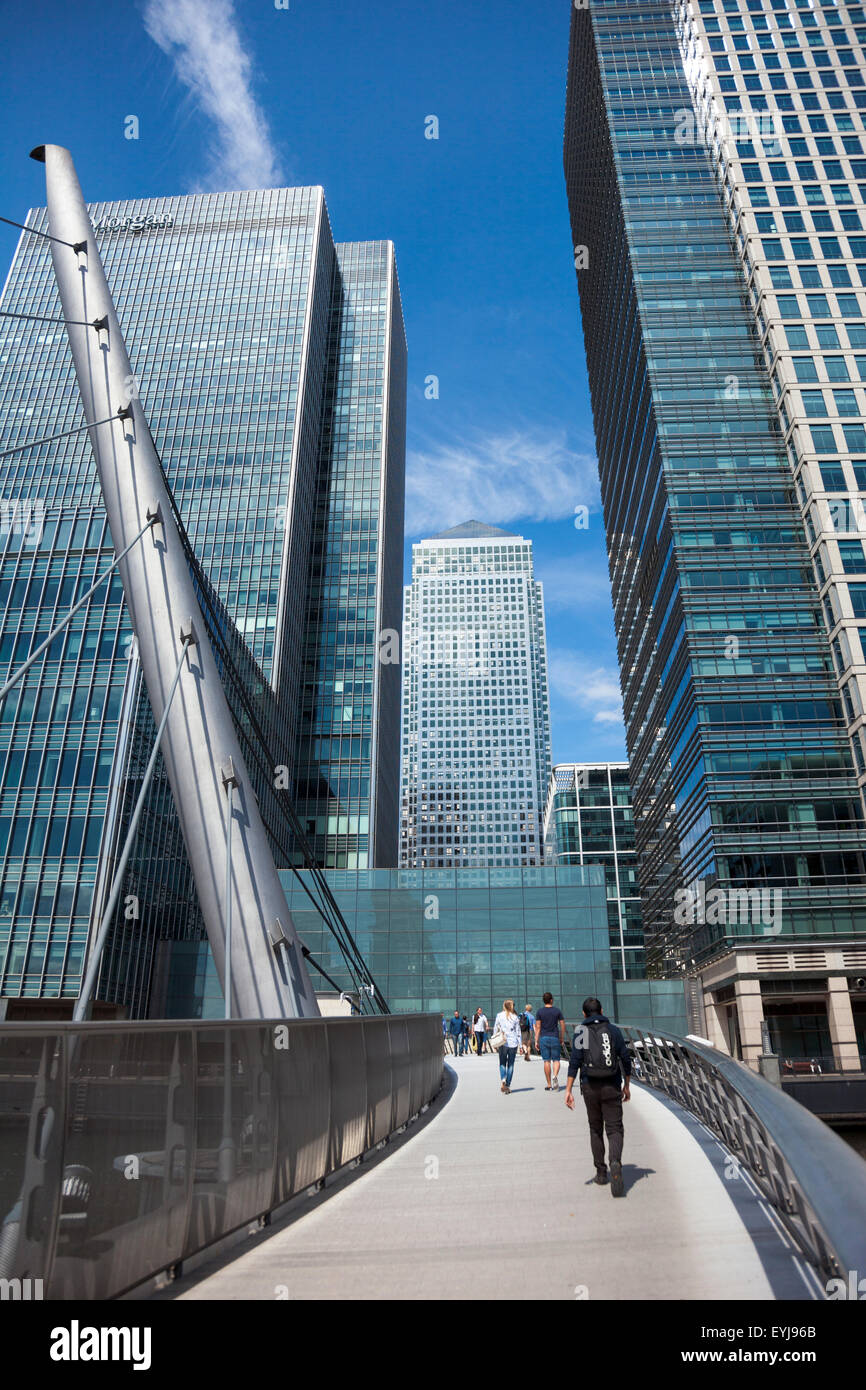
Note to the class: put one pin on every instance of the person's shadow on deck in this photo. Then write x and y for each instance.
(631, 1174)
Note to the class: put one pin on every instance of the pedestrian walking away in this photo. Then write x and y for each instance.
(508, 1023)
(549, 1039)
(527, 1025)
(600, 1057)
(480, 1026)
(455, 1033)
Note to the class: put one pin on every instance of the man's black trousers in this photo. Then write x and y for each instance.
(603, 1100)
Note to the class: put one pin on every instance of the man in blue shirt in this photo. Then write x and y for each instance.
(455, 1031)
(599, 1053)
(526, 1032)
(550, 1038)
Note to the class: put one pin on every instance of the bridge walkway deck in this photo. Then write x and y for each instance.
(494, 1197)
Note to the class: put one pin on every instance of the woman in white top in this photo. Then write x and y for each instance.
(480, 1026)
(507, 1022)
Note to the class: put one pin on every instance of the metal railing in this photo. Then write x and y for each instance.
(816, 1064)
(126, 1148)
(813, 1180)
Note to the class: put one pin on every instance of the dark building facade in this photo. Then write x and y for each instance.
(743, 776)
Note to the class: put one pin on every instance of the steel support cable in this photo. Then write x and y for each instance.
(316, 966)
(333, 918)
(352, 957)
(83, 1001)
(339, 929)
(13, 680)
(34, 231)
(98, 324)
(123, 413)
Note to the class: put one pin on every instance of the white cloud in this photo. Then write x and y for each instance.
(595, 691)
(205, 46)
(498, 478)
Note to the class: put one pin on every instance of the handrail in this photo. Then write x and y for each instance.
(813, 1180)
(126, 1148)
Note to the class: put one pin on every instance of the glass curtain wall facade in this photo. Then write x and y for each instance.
(741, 764)
(588, 820)
(444, 938)
(780, 94)
(227, 302)
(476, 713)
(349, 758)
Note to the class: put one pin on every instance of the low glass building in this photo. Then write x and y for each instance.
(440, 939)
(436, 939)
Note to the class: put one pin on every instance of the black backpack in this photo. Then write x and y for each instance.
(600, 1062)
(524, 1023)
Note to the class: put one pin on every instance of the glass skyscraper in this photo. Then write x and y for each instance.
(271, 366)
(476, 719)
(711, 160)
(588, 820)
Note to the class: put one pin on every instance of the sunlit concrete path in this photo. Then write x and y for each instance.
(504, 1183)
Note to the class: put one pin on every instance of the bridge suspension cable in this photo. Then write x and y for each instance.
(34, 656)
(187, 639)
(122, 413)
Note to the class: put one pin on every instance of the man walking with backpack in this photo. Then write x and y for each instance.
(599, 1053)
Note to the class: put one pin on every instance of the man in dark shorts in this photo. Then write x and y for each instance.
(549, 1039)
(604, 1064)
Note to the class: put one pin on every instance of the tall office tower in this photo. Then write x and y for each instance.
(476, 718)
(271, 367)
(349, 760)
(740, 748)
(588, 820)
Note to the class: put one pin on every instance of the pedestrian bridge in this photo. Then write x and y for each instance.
(346, 1158)
(498, 1183)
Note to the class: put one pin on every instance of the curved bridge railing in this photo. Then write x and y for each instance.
(814, 1181)
(127, 1148)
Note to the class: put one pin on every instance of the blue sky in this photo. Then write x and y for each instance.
(236, 95)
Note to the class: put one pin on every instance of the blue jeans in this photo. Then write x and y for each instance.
(506, 1063)
(549, 1047)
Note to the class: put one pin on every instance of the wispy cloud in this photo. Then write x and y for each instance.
(203, 41)
(497, 478)
(594, 690)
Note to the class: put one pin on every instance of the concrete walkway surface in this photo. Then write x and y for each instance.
(494, 1198)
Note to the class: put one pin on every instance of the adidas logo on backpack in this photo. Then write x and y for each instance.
(599, 1054)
